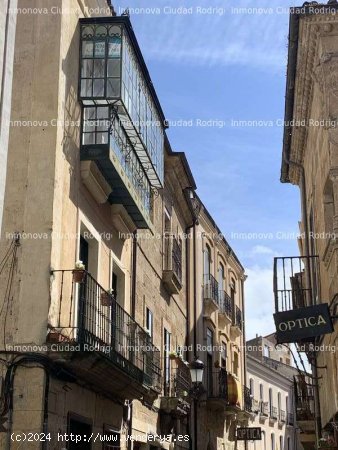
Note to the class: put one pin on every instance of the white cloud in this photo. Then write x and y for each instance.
(247, 39)
(259, 302)
(262, 250)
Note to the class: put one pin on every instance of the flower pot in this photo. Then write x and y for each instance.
(106, 299)
(79, 275)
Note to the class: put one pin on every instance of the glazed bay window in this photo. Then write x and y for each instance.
(113, 72)
(105, 141)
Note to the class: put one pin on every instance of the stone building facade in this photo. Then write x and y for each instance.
(310, 160)
(217, 308)
(104, 286)
(7, 42)
(271, 379)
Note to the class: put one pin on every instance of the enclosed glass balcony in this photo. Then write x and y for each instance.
(105, 141)
(113, 72)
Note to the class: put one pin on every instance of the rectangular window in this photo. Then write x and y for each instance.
(266, 351)
(261, 392)
(112, 439)
(210, 344)
(235, 364)
(80, 427)
(149, 322)
(251, 387)
(224, 355)
(166, 371)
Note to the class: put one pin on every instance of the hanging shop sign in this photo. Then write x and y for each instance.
(249, 434)
(303, 323)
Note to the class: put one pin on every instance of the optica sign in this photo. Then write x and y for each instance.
(303, 323)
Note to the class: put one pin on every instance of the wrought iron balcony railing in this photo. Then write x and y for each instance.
(290, 419)
(90, 316)
(225, 303)
(181, 381)
(211, 288)
(282, 415)
(217, 384)
(264, 408)
(304, 398)
(273, 413)
(247, 399)
(237, 318)
(173, 255)
(295, 281)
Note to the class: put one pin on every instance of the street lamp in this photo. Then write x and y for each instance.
(196, 371)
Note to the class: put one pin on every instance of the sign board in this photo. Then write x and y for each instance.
(303, 323)
(249, 434)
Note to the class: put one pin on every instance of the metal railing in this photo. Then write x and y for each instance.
(225, 303)
(273, 412)
(181, 381)
(290, 419)
(295, 281)
(89, 315)
(264, 409)
(210, 288)
(237, 319)
(173, 255)
(282, 415)
(217, 384)
(304, 398)
(247, 399)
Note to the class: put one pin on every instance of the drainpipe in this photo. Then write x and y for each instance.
(133, 313)
(318, 422)
(133, 275)
(187, 285)
(195, 290)
(45, 412)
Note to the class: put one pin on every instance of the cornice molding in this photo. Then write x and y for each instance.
(309, 34)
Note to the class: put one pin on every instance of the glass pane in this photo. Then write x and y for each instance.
(100, 49)
(102, 113)
(114, 47)
(102, 125)
(102, 138)
(89, 125)
(88, 138)
(115, 29)
(89, 113)
(101, 31)
(98, 90)
(113, 87)
(86, 88)
(87, 49)
(113, 67)
(87, 68)
(98, 68)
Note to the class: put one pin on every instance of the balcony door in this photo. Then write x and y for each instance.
(83, 292)
(221, 277)
(81, 428)
(210, 344)
(207, 262)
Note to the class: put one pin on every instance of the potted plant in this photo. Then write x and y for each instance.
(326, 442)
(107, 297)
(79, 272)
(173, 355)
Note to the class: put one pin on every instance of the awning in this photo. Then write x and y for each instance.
(234, 391)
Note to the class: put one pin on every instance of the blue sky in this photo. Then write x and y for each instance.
(227, 65)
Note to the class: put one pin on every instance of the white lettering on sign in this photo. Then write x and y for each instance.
(302, 323)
